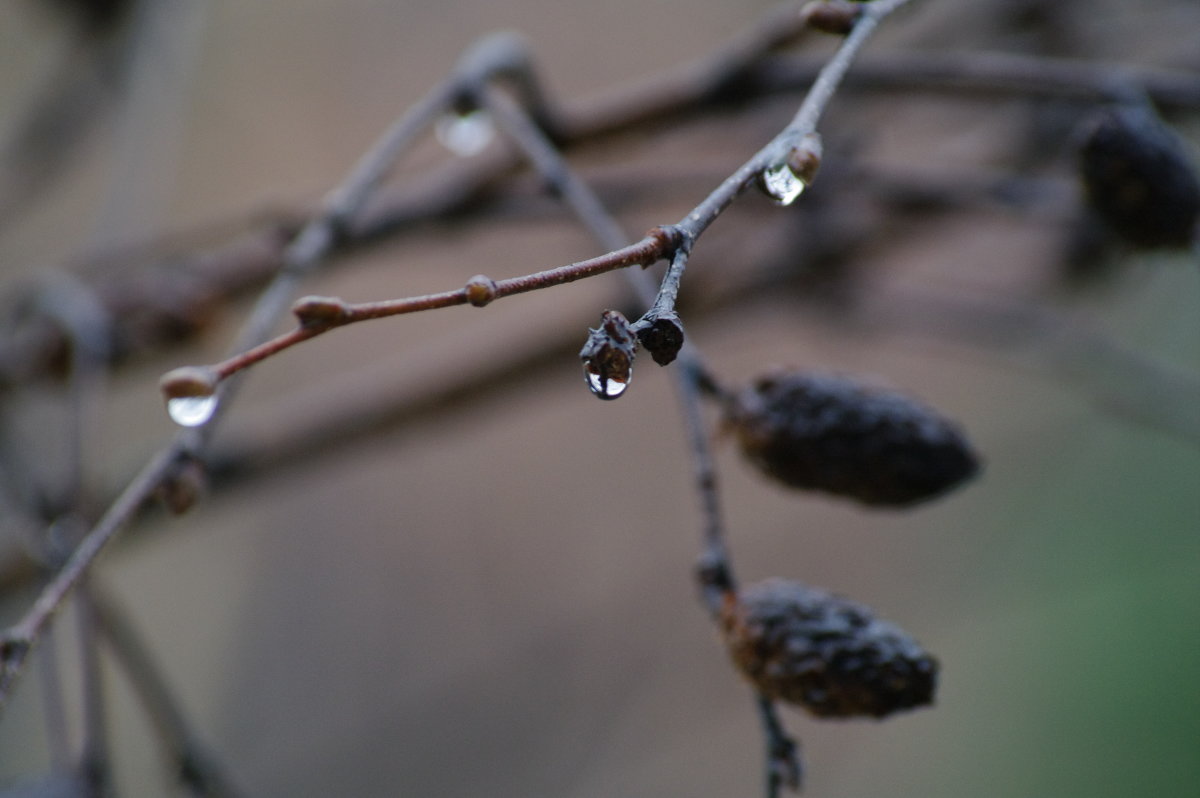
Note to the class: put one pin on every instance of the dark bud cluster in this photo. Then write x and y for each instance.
(831, 433)
(661, 334)
(825, 653)
(1139, 180)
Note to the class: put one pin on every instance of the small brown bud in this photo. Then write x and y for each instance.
(608, 356)
(834, 434)
(320, 311)
(805, 158)
(183, 486)
(188, 382)
(1138, 177)
(481, 290)
(661, 335)
(825, 653)
(831, 16)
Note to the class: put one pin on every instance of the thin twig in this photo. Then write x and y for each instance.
(308, 249)
(192, 764)
(783, 752)
(740, 70)
(716, 573)
(94, 762)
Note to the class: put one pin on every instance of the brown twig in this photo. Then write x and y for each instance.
(716, 573)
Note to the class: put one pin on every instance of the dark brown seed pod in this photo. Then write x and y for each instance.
(825, 653)
(832, 433)
(1139, 180)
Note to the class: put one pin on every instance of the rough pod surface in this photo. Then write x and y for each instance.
(1139, 179)
(831, 433)
(827, 654)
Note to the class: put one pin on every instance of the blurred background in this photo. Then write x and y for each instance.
(488, 588)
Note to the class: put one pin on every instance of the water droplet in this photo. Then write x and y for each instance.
(465, 134)
(191, 411)
(782, 184)
(605, 386)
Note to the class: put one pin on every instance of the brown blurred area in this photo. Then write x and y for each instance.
(495, 596)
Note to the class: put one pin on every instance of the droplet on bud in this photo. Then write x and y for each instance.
(608, 356)
(190, 392)
(785, 182)
(191, 411)
(781, 184)
(465, 134)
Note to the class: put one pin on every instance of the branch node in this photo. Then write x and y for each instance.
(481, 290)
(320, 312)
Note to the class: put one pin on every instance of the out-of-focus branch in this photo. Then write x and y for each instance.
(151, 310)
(191, 763)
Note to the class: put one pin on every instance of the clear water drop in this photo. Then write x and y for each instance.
(603, 385)
(465, 134)
(782, 184)
(191, 411)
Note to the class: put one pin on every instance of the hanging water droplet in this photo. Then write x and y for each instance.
(608, 356)
(604, 385)
(191, 411)
(782, 184)
(465, 134)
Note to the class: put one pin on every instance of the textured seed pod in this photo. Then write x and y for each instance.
(825, 653)
(1138, 178)
(831, 433)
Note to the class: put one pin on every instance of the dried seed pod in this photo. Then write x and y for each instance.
(834, 434)
(661, 336)
(825, 653)
(1138, 178)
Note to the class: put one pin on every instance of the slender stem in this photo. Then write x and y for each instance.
(309, 248)
(58, 738)
(193, 765)
(94, 753)
(783, 753)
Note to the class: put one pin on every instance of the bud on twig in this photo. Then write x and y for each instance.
(831, 433)
(825, 653)
(481, 290)
(320, 311)
(661, 334)
(1138, 178)
(831, 16)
